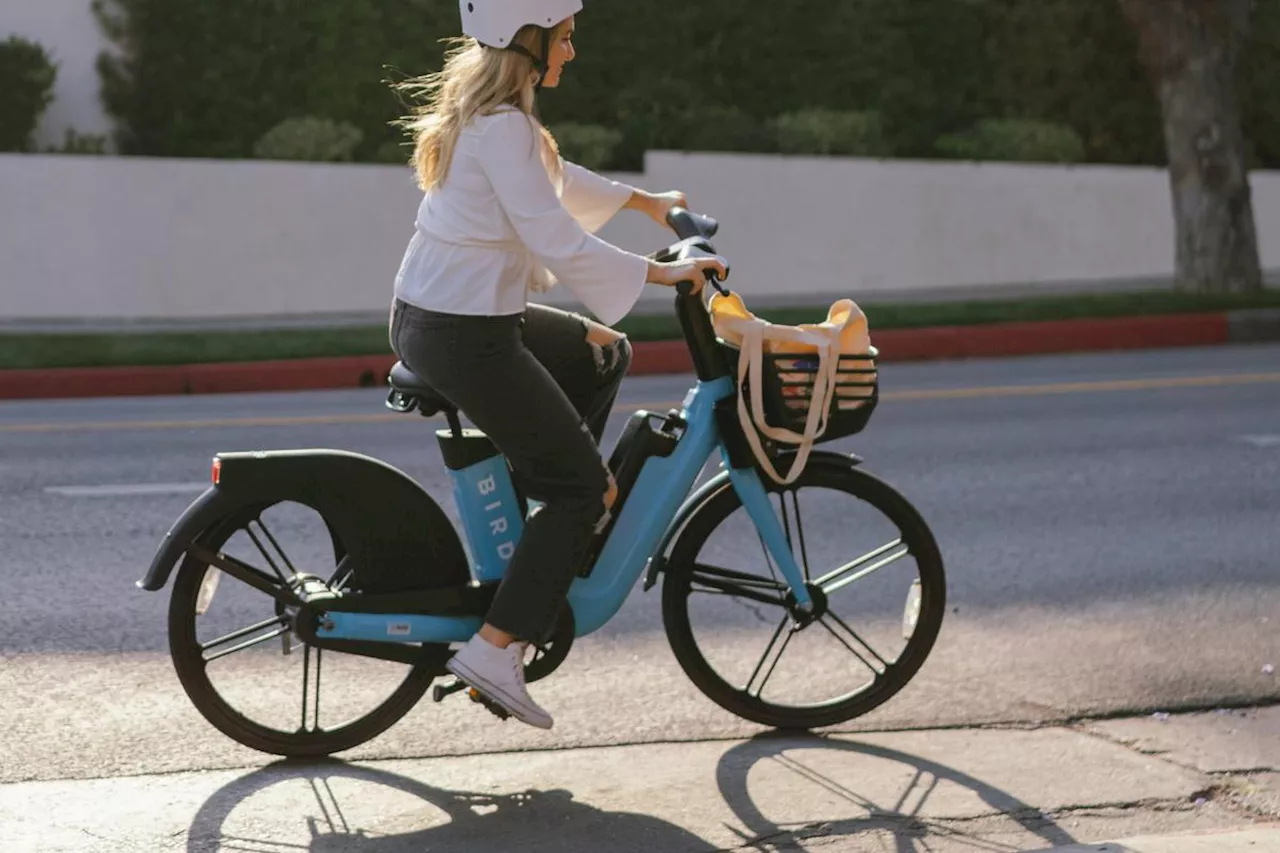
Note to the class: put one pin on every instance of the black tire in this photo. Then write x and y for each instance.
(192, 668)
(827, 471)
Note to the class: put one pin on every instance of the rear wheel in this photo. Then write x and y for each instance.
(242, 665)
(871, 566)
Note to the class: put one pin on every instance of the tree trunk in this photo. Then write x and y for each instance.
(1191, 50)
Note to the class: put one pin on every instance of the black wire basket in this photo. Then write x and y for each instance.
(787, 381)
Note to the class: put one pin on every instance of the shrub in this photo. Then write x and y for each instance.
(398, 151)
(589, 145)
(1014, 139)
(823, 131)
(27, 75)
(721, 128)
(200, 78)
(308, 138)
(74, 142)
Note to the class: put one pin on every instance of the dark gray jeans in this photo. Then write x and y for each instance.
(542, 392)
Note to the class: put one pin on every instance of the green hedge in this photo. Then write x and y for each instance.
(309, 138)
(822, 131)
(1014, 139)
(211, 79)
(27, 75)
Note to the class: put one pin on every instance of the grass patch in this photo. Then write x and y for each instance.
(76, 349)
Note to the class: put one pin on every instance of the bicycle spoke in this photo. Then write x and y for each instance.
(837, 578)
(741, 578)
(248, 644)
(737, 584)
(309, 692)
(244, 573)
(243, 632)
(306, 678)
(263, 551)
(276, 545)
(782, 626)
(315, 702)
(845, 642)
(786, 521)
(804, 551)
(342, 574)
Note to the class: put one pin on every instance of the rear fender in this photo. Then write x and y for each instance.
(396, 535)
(198, 517)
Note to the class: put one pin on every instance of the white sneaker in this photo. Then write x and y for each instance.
(499, 675)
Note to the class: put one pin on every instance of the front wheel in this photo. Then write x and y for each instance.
(872, 567)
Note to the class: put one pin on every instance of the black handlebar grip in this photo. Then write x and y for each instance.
(684, 288)
(688, 224)
(682, 223)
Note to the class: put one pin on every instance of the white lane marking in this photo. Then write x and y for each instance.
(125, 489)
(1260, 440)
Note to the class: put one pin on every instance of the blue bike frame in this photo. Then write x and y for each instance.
(486, 502)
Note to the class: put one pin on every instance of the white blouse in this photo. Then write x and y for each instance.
(497, 227)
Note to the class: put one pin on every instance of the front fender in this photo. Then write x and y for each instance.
(714, 486)
(197, 517)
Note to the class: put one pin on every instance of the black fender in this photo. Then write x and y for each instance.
(212, 505)
(396, 535)
(719, 483)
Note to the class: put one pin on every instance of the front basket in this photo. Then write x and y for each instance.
(787, 387)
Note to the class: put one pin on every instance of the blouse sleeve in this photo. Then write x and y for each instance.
(607, 279)
(590, 198)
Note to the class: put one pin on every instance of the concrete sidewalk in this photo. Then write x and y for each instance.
(1185, 784)
(1261, 840)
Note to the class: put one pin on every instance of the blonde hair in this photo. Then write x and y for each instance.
(476, 80)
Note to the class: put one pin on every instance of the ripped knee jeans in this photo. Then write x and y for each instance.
(543, 393)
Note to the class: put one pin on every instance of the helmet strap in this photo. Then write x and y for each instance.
(539, 63)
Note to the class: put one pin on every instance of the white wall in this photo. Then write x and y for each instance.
(112, 238)
(69, 32)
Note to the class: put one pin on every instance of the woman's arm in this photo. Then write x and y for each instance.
(656, 205)
(593, 199)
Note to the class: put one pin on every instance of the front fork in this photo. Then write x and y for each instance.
(747, 483)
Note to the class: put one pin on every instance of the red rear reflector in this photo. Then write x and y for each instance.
(217, 471)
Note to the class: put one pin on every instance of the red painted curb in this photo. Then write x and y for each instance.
(651, 357)
(1055, 336)
(219, 378)
(998, 339)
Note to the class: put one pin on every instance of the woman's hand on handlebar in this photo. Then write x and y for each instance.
(693, 269)
(657, 205)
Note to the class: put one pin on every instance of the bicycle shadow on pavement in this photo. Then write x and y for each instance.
(801, 789)
(335, 807)
(776, 790)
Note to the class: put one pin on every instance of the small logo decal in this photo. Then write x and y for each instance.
(398, 629)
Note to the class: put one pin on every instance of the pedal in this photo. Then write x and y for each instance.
(439, 691)
(494, 708)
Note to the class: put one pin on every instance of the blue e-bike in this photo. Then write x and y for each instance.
(376, 584)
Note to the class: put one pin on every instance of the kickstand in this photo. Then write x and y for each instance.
(448, 688)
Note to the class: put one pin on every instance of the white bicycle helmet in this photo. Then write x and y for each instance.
(495, 22)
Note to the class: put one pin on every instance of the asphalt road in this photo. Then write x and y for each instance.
(1110, 525)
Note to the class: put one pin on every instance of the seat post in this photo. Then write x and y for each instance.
(451, 414)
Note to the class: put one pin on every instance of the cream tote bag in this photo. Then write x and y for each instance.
(844, 332)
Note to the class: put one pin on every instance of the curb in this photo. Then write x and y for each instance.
(659, 357)
(1261, 839)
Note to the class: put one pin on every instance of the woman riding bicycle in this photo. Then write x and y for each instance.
(503, 214)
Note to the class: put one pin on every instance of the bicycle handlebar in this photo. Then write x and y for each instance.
(695, 231)
(688, 224)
